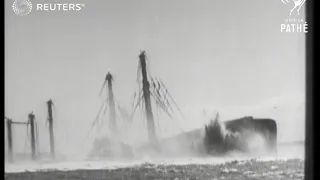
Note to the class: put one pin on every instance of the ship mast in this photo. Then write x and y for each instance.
(112, 120)
(146, 95)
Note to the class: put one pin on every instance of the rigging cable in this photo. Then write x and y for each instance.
(158, 120)
(94, 122)
(134, 98)
(165, 99)
(135, 108)
(161, 105)
(172, 98)
(103, 85)
(55, 125)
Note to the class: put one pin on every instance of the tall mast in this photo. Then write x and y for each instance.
(9, 129)
(50, 119)
(146, 94)
(33, 139)
(113, 123)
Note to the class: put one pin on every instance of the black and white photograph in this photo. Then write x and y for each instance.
(155, 89)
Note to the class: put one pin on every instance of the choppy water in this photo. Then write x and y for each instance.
(285, 151)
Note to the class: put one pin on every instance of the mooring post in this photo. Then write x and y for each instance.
(113, 123)
(146, 95)
(9, 129)
(33, 139)
(50, 119)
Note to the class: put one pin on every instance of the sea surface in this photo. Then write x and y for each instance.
(286, 151)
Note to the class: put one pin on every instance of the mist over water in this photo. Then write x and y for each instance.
(74, 140)
(73, 147)
(175, 150)
(286, 151)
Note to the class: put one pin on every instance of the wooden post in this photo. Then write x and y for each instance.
(50, 119)
(113, 123)
(9, 129)
(146, 95)
(33, 139)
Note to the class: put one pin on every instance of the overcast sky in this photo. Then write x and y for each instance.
(218, 56)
